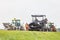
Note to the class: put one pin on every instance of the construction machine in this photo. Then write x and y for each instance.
(14, 25)
(38, 25)
(52, 27)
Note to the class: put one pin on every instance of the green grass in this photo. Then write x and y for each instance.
(28, 35)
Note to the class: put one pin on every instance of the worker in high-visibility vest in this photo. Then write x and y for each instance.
(27, 26)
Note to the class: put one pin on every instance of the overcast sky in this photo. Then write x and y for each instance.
(23, 9)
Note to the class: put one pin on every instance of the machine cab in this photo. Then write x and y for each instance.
(38, 18)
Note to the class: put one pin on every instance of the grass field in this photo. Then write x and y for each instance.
(28, 35)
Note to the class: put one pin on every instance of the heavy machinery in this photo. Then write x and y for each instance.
(15, 25)
(52, 27)
(38, 25)
(41, 25)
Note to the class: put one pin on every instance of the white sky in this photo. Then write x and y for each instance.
(23, 9)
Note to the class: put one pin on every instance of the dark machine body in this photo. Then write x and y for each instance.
(39, 25)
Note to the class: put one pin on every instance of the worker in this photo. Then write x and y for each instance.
(27, 26)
